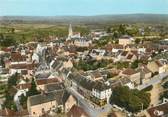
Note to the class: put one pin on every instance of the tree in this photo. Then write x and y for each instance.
(12, 30)
(12, 81)
(7, 41)
(122, 29)
(115, 35)
(109, 30)
(103, 41)
(131, 100)
(165, 85)
(164, 95)
(33, 90)
(137, 41)
(135, 64)
(23, 101)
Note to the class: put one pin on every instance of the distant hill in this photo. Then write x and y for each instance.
(99, 19)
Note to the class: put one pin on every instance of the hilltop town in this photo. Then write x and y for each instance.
(119, 71)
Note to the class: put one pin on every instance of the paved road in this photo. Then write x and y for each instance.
(89, 108)
(155, 80)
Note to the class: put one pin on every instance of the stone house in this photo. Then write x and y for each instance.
(41, 104)
(132, 74)
(157, 66)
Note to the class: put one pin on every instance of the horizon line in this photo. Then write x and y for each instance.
(83, 15)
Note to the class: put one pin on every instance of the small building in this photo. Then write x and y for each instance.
(132, 74)
(114, 48)
(97, 53)
(125, 40)
(129, 56)
(82, 42)
(157, 66)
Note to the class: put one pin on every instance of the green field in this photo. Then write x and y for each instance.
(23, 33)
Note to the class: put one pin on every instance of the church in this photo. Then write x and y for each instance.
(77, 40)
(72, 34)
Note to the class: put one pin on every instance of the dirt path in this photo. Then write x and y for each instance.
(155, 94)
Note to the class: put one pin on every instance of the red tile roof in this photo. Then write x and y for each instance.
(124, 53)
(129, 71)
(160, 109)
(159, 63)
(16, 56)
(11, 113)
(129, 56)
(24, 86)
(28, 66)
(77, 111)
(47, 81)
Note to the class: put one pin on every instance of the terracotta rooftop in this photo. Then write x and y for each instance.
(11, 113)
(77, 111)
(159, 111)
(129, 56)
(124, 53)
(47, 81)
(129, 71)
(16, 56)
(159, 63)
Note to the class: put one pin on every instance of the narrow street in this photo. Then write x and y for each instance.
(155, 94)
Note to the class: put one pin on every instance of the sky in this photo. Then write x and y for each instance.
(80, 7)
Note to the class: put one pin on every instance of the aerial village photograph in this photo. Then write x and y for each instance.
(83, 58)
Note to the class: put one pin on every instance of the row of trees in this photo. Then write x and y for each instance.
(132, 100)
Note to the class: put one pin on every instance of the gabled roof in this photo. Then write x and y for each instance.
(159, 63)
(47, 81)
(54, 86)
(77, 111)
(129, 71)
(100, 86)
(130, 56)
(16, 56)
(12, 113)
(159, 111)
(82, 81)
(47, 97)
(124, 53)
(125, 37)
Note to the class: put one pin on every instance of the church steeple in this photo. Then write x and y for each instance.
(70, 32)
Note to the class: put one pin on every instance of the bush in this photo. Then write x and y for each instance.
(149, 88)
(164, 95)
(165, 85)
(155, 73)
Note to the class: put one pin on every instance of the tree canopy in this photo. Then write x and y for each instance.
(131, 100)
(7, 41)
